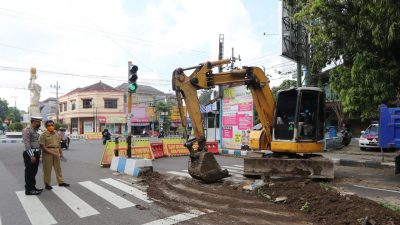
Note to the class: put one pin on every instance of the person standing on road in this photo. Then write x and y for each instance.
(50, 144)
(31, 155)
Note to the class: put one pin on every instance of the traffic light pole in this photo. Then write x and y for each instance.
(128, 122)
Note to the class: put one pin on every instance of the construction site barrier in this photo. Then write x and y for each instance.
(93, 136)
(140, 148)
(212, 147)
(157, 149)
(174, 147)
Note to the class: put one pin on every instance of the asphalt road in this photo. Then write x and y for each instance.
(86, 177)
(78, 206)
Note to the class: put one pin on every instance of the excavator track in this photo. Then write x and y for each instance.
(306, 166)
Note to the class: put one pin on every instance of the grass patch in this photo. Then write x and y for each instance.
(326, 186)
(390, 206)
(305, 207)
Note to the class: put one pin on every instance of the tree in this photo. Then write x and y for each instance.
(3, 109)
(286, 84)
(162, 106)
(362, 39)
(14, 114)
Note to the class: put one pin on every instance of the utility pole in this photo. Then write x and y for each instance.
(15, 108)
(220, 91)
(57, 110)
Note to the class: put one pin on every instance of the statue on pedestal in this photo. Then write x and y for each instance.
(35, 94)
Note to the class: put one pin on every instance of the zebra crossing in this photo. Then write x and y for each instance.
(235, 170)
(38, 214)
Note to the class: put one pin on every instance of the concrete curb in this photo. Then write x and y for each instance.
(131, 166)
(363, 163)
(336, 161)
(12, 141)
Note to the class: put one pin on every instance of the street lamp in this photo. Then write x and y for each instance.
(94, 116)
(56, 87)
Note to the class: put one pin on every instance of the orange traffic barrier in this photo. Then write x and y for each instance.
(158, 150)
(212, 147)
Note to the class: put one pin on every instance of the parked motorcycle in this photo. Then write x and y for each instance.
(346, 137)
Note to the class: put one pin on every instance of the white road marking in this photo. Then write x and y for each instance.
(128, 189)
(107, 195)
(0, 220)
(378, 189)
(35, 210)
(177, 218)
(240, 166)
(76, 204)
(233, 168)
(179, 173)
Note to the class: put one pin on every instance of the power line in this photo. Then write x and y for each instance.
(48, 20)
(92, 76)
(59, 55)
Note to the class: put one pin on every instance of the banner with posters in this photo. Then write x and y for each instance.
(237, 117)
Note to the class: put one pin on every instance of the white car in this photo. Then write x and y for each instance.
(370, 137)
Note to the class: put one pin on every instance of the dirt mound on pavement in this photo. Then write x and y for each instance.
(325, 205)
(277, 202)
(221, 203)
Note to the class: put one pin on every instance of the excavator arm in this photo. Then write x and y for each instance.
(203, 165)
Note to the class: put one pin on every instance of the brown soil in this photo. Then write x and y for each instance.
(326, 205)
(229, 204)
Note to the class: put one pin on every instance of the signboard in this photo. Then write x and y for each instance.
(175, 115)
(237, 117)
(294, 36)
(87, 126)
(140, 148)
(174, 147)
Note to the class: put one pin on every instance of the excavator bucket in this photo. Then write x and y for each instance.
(203, 166)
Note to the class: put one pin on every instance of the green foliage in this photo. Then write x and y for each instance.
(286, 84)
(390, 206)
(305, 207)
(162, 106)
(59, 125)
(3, 109)
(16, 127)
(325, 186)
(14, 114)
(362, 38)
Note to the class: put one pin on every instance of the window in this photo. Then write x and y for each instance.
(110, 103)
(65, 106)
(60, 108)
(87, 103)
(73, 105)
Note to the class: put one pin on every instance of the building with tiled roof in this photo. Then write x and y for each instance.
(92, 109)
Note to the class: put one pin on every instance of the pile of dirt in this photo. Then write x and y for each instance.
(276, 202)
(325, 205)
(228, 205)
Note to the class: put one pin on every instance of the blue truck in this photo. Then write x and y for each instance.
(389, 130)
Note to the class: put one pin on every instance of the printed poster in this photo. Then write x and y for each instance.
(237, 117)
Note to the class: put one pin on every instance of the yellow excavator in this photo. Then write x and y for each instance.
(292, 129)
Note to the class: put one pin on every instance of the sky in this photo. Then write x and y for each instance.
(78, 43)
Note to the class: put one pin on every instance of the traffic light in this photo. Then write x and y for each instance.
(132, 78)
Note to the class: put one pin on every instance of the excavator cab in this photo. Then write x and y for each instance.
(299, 115)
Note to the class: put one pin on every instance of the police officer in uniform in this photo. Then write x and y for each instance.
(50, 144)
(31, 155)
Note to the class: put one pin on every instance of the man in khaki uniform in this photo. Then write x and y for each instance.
(50, 144)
